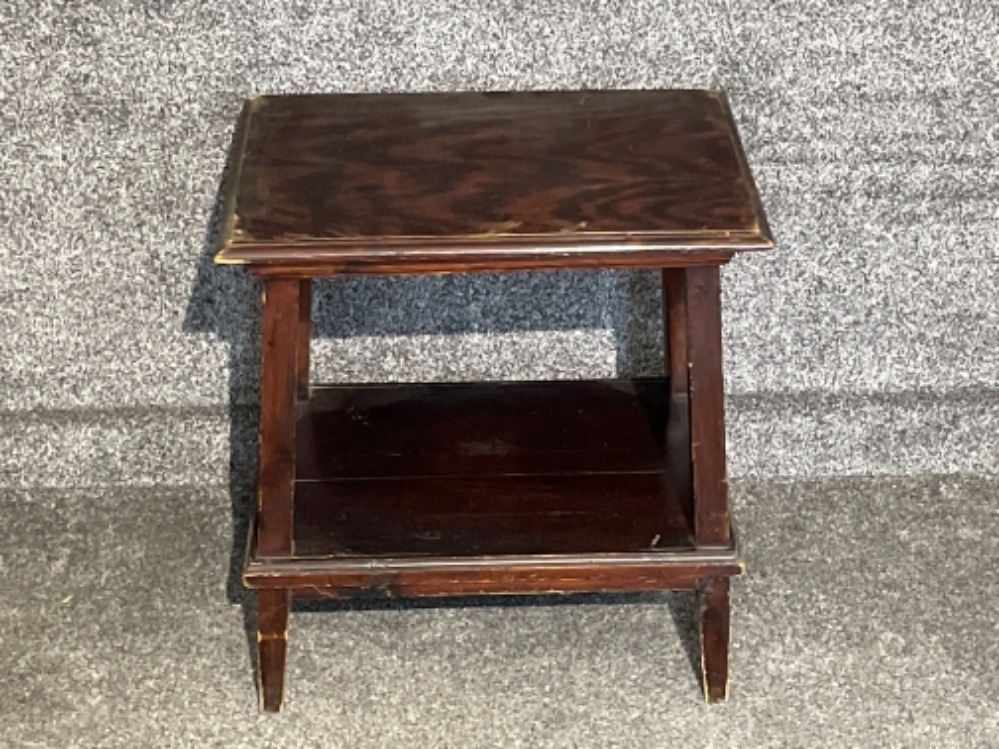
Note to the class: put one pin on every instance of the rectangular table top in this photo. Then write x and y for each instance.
(455, 181)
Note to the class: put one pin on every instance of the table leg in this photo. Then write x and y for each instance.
(272, 644)
(275, 485)
(714, 627)
(696, 443)
(693, 321)
(278, 385)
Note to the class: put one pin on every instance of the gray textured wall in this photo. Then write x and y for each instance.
(867, 343)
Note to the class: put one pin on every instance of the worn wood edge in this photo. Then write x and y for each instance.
(354, 247)
(396, 265)
(230, 231)
(441, 586)
(418, 577)
(762, 224)
(317, 387)
(729, 557)
(664, 557)
(437, 582)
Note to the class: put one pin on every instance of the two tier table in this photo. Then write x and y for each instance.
(491, 487)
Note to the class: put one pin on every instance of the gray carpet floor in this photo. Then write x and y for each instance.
(868, 618)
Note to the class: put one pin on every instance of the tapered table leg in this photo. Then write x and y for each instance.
(279, 380)
(696, 440)
(714, 628)
(272, 645)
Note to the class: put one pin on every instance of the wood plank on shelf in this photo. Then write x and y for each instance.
(491, 515)
(477, 429)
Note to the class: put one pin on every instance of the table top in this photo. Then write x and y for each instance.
(438, 182)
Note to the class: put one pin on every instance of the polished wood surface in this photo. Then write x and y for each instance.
(462, 259)
(417, 181)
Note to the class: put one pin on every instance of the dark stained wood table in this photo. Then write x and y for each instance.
(490, 488)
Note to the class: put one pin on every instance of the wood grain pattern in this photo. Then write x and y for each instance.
(489, 176)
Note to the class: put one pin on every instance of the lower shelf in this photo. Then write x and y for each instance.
(486, 488)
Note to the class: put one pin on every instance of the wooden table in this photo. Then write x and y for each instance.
(488, 488)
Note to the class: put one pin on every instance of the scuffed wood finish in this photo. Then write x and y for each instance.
(427, 182)
(714, 629)
(508, 574)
